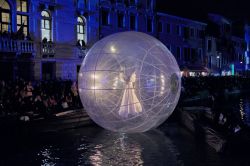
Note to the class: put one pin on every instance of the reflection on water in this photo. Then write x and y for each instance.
(133, 149)
(240, 105)
(107, 148)
(115, 149)
(246, 110)
(170, 145)
(93, 146)
(46, 156)
(241, 108)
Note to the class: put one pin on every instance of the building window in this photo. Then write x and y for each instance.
(200, 33)
(119, 1)
(160, 27)
(81, 4)
(46, 26)
(178, 53)
(21, 5)
(22, 23)
(243, 45)
(178, 30)
(218, 62)
(132, 22)
(120, 20)
(186, 54)
(209, 45)
(186, 32)
(193, 54)
(226, 28)
(149, 25)
(81, 31)
(105, 17)
(22, 17)
(192, 32)
(5, 17)
(168, 28)
(148, 4)
(132, 2)
(200, 53)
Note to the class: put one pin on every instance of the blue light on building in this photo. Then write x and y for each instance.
(247, 52)
(232, 69)
(57, 35)
(246, 60)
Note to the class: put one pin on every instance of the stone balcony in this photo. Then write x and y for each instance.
(81, 52)
(48, 49)
(16, 46)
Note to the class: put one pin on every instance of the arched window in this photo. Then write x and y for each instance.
(22, 16)
(22, 6)
(5, 16)
(46, 26)
(81, 31)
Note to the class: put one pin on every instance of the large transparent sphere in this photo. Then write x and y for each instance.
(129, 82)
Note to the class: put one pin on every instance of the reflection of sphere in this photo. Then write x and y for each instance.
(149, 148)
(129, 82)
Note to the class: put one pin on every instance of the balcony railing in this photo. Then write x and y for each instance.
(81, 52)
(48, 49)
(18, 46)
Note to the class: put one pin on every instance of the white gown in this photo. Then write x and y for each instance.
(130, 104)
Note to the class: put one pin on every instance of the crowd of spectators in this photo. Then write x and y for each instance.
(39, 97)
(48, 97)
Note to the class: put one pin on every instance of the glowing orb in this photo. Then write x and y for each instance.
(129, 82)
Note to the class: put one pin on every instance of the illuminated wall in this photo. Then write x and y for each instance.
(223, 49)
(67, 54)
(247, 52)
(184, 37)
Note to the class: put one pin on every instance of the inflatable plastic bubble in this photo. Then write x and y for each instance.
(129, 82)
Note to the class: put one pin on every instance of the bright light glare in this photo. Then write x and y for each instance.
(94, 76)
(112, 49)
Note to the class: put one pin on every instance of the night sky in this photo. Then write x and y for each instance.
(236, 10)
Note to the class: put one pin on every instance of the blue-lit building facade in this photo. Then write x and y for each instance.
(185, 39)
(247, 52)
(225, 52)
(48, 39)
